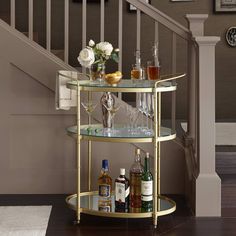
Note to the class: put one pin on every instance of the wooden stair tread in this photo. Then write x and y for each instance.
(228, 179)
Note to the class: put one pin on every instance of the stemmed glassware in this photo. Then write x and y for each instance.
(89, 108)
(133, 114)
(145, 105)
(150, 108)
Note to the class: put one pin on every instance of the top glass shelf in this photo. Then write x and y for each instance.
(165, 84)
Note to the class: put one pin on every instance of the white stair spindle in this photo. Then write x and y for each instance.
(48, 25)
(31, 19)
(138, 30)
(120, 38)
(102, 20)
(66, 36)
(156, 31)
(13, 13)
(84, 25)
(174, 58)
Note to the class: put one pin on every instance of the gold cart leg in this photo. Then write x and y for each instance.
(78, 155)
(157, 145)
(89, 155)
(89, 150)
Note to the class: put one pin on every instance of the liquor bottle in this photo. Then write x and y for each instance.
(147, 187)
(137, 71)
(122, 193)
(104, 188)
(136, 172)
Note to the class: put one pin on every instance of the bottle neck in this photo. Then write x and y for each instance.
(104, 171)
(155, 54)
(137, 158)
(147, 165)
(138, 58)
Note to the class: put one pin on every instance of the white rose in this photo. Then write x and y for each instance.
(105, 47)
(91, 43)
(86, 57)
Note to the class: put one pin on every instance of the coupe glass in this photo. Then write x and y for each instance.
(89, 108)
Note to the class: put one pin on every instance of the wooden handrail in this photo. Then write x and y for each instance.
(162, 18)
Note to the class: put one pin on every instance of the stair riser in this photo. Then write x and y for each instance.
(228, 196)
(226, 163)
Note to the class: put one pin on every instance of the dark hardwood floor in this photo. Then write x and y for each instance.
(181, 223)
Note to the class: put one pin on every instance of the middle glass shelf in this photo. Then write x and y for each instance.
(119, 134)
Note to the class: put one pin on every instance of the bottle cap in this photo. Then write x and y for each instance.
(147, 154)
(105, 164)
(122, 171)
(138, 151)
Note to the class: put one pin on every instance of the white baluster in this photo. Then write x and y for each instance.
(66, 33)
(138, 30)
(48, 25)
(31, 19)
(13, 13)
(173, 103)
(102, 20)
(84, 27)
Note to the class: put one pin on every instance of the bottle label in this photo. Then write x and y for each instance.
(104, 190)
(146, 198)
(120, 192)
(146, 187)
(104, 208)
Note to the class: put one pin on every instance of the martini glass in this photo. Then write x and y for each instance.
(89, 108)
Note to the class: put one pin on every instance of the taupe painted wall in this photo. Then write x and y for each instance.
(36, 155)
(215, 25)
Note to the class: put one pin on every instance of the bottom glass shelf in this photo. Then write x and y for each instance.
(89, 205)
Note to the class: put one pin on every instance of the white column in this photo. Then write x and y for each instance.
(208, 183)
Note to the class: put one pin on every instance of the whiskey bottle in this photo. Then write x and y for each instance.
(147, 187)
(104, 188)
(122, 193)
(136, 172)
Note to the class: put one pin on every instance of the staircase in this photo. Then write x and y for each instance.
(226, 168)
(40, 65)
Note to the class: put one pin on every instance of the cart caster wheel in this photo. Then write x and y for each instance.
(76, 222)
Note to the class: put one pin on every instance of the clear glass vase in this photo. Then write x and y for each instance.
(97, 72)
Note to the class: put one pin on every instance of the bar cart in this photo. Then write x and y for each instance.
(87, 202)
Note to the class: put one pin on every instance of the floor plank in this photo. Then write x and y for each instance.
(180, 223)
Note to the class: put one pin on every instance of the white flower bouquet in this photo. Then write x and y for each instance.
(97, 54)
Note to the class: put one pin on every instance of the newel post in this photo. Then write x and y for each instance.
(196, 26)
(208, 183)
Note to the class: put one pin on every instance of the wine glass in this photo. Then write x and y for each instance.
(89, 108)
(150, 107)
(145, 110)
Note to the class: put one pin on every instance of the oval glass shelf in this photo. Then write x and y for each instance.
(89, 205)
(163, 85)
(119, 134)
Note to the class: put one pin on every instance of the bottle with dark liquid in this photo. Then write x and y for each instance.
(104, 188)
(122, 192)
(147, 187)
(136, 172)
